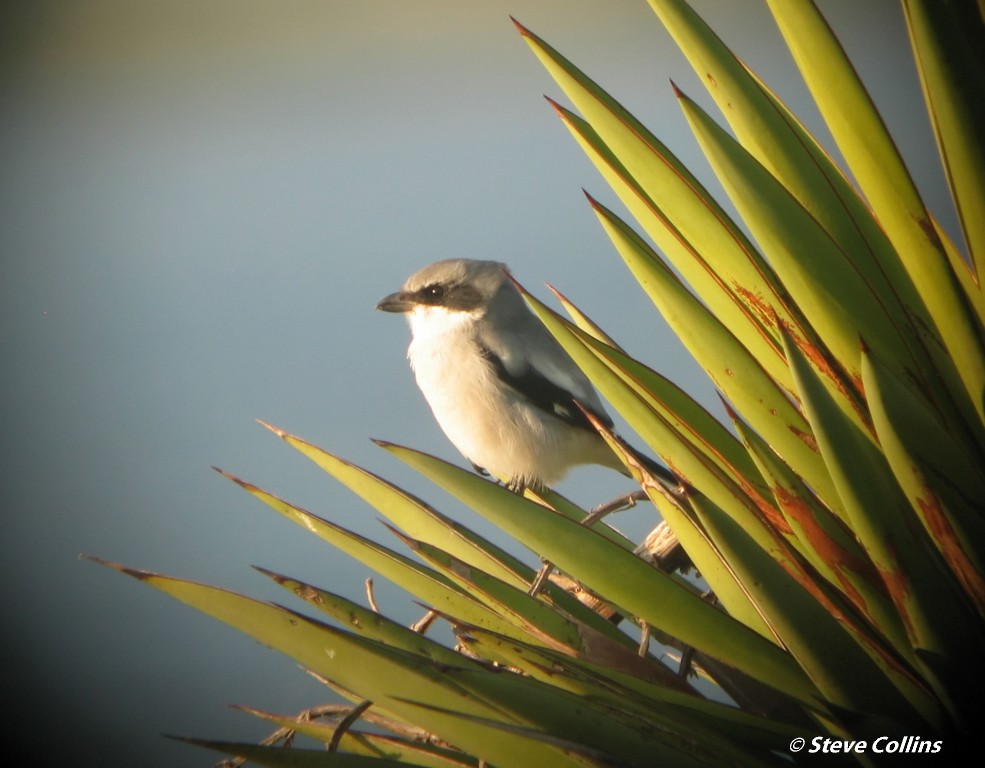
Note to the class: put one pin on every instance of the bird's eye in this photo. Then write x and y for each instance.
(434, 291)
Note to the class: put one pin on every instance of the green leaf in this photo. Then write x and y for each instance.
(279, 757)
(412, 515)
(683, 720)
(352, 742)
(676, 747)
(584, 322)
(369, 623)
(807, 623)
(688, 225)
(819, 535)
(944, 486)
(780, 143)
(875, 162)
(690, 461)
(424, 523)
(547, 626)
(963, 271)
(401, 683)
(737, 373)
(564, 506)
(818, 273)
(701, 549)
(624, 579)
(925, 598)
(427, 585)
(947, 41)
(737, 295)
(643, 697)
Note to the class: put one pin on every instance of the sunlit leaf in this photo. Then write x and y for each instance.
(626, 580)
(427, 585)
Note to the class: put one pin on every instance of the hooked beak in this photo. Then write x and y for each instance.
(396, 302)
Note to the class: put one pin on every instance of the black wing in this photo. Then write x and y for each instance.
(545, 394)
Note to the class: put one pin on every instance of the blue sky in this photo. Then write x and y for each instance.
(201, 204)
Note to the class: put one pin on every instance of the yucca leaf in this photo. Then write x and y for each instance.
(708, 550)
(771, 135)
(689, 226)
(925, 597)
(836, 555)
(399, 682)
(823, 539)
(778, 141)
(947, 41)
(680, 409)
(746, 106)
(423, 522)
(643, 697)
(862, 137)
(821, 277)
(737, 373)
(613, 366)
(691, 461)
(968, 280)
(624, 579)
(939, 379)
(582, 320)
(875, 161)
(682, 747)
(427, 585)
(809, 624)
(279, 757)
(353, 742)
(563, 671)
(694, 721)
(690, 754)
(745, 304)
(412, 515)
(945, 488)
(699, 546)
(548, 497)
(540, 620)
(367, 622)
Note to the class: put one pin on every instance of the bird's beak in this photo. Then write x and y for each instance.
(396, 302)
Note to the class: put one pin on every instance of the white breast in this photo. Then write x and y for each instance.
(485, 420)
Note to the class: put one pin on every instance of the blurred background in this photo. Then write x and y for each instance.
(201, 204)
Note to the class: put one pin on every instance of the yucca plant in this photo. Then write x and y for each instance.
(838, 522)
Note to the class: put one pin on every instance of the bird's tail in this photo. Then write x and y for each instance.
(667, 478)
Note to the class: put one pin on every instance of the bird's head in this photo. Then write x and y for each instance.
(448, 294)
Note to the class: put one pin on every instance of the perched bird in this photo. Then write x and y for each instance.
(501, 387)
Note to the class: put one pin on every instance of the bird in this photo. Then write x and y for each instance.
(500, 386)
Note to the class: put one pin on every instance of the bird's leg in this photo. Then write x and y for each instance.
(518, 486)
